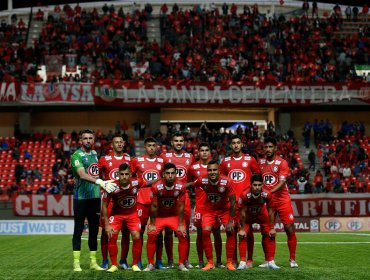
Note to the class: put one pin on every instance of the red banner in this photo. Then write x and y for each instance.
(177, 94)
(304, 206)
(9, 92)
(57, 93)
(71, 62)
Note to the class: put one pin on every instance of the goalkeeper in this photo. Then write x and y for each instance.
(86, 197)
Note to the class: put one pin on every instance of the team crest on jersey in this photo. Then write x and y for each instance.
(142, 165)
(110, 163)
(158, 166)
(291, 217)
(221, 189)
(176, 194)
(275, 169)
(245, 164)
(187, 162)
(113, 174)
(198, 173)
(134, 190)
(93, 170)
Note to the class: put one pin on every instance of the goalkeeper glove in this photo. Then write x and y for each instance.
(109, 186)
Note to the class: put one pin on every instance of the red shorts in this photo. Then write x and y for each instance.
(284, 210)
(143, 211)
(262, 219)
(171, 222)
(131, 221)
(197, 218)
(213, 218)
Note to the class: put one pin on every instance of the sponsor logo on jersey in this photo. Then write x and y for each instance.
(127, 202)
(134, 190)
(150, 175)
(237, 175)
(269, 179)
(113, 174)
(180, 171)
(168, 202)
(214, 197)
(93, 170)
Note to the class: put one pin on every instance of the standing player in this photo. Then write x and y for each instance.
(108, 169)
(123, 213)
(275, 171)
(239, 168)
(219, 206)
(199, 169)
(254, 208)
(148, 168)
(183, 161)
(167, 211)
(86, 197)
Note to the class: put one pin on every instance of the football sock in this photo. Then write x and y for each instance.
(151, 247)
(218, 247)
(113, 249)
(168, 243)
(250, 244)
(159, 244)
(230, 247)
(242, 249)
(76, 256)
(104, 245)
(207, 245)
(182, 248)
(199, 244)
(292, 245)
(136, 251)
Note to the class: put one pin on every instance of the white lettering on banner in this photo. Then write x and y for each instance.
(318, 205)
(59, 92)
(8, 92)
(36, 227)
(200, 94)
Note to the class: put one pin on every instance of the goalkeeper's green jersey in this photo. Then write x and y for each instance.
(89, 161)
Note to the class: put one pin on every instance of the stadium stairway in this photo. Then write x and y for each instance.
(34, 32)
(154, 31)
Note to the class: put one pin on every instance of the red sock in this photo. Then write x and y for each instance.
(125, 244)
(150, 247)
(159, 244)
(230, 247)
(292, 245)
(182, 248)
(242, 249)
(271, 248)
(168, 243)
(207, 245)
(250, 243)
(199, 244)
(136, 251)
(104, 245)
(113, 249)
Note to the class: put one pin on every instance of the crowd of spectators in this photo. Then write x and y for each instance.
(219, 44)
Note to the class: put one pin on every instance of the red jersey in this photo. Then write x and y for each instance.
(147, 169)
(272, 173)
(217, 195)
(108, 165)
(240, 171)
(124, 199)
(254, 205)
(167, 199)
(182, 162)
(195, 171)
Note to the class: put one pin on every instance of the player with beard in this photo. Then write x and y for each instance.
(167, 211)
(239, 168)
(254, 208)
(183, 162)
(199, 169)
(86, 197)
(108, 169)
(219, 206)
(123, 213)
(275, 171)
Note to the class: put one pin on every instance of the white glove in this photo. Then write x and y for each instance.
(109, 186)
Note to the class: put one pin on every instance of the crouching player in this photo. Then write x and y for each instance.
(254, 208)
(167, 212)
(123, 214)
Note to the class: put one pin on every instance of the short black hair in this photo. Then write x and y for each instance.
(149, 140)
(236, 136)
(204, 144)
(177, 134)
(87, 130)
(256, 177)
(270, 139)
(168, 165)
(124, 166)
(213, 161)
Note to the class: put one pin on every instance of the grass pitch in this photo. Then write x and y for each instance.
(319, 255)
